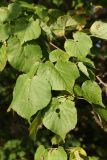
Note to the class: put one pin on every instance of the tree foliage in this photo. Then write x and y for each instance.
(50, 47)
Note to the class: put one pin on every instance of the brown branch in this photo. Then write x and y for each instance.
(53, 45)
(101, 82)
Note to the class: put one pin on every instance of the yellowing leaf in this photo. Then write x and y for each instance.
(99, 29)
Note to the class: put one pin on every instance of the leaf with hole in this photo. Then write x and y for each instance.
(61, 117)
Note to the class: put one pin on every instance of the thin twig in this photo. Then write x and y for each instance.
(101, 82)
(65, 37)
(53, 45)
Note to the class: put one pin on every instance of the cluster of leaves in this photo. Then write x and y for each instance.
(12, 150)
(59, 153)
(51, 50)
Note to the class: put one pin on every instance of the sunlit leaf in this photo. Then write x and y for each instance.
(3, 57)
(92, 92)
(57, 154)
(5, 31)
(61, 117)
(30, 95)
(99, 29)
(76, 48)
(62, 76)
(41, 153)
(23, 57)
(27, 31)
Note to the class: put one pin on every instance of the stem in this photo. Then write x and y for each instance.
(101, 82)
(53, 45)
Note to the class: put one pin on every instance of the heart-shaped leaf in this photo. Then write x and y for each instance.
(61, 117)
(99, 29)
(23, 57)
(79, 46)
(57, 154)
(30, 95)
(41, 153)
(62, 76)
(27, 31)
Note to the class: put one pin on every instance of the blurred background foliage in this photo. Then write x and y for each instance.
(15, 143)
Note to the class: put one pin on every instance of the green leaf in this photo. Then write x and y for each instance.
(10, 13)
(50, 73)
(42, 12)
(57, 154)
(76, 153)
(99, 29)
(83, 68)
(69, 73)
(76, 48)
(89, 63)
(79, 21)
(34, 126)
(61, 117)
(56, 140)
(23, 57)
(27, 31)
(14, 10)
(57, 55)
(102, 112)
(54, 14)
(91, 74)
(47, 30)
(58, 27)
(30, 95)
(3, 57)
(92, 92)
(3, 14)
(4, 32)
(62, 76)
(66, 22)
(58, 2)
(41, 153)
(26, 5)
(93, 158)
(78, 90)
